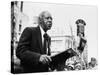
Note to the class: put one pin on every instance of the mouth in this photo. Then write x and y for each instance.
(49, 23)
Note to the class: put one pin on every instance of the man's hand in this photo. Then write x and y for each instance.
(45, 59)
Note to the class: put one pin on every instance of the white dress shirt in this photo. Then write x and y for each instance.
(42, 33)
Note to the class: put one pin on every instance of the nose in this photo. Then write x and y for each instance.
(49, 19)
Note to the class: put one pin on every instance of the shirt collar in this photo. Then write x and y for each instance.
(42, 31)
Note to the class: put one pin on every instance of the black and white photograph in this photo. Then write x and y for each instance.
(50, 37)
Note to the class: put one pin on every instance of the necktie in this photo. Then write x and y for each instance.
(47, 41)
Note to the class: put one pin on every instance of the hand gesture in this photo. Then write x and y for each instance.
(45, 59)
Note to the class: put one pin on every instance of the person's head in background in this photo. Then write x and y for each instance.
(80, 27)
(78, 66)
(93, 61)
(70, 67)
(45, 20)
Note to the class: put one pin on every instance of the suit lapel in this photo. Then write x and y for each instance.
(40, 39)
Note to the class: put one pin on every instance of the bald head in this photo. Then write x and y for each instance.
(44, 13)
(45, 20)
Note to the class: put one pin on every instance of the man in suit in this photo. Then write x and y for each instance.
(34, 45)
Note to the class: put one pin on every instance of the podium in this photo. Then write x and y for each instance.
(59, 59)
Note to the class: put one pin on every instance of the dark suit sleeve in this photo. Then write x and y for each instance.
(23, 51)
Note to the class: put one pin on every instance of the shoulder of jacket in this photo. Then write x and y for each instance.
(30, 28)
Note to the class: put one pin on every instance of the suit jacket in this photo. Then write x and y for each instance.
(30, 49)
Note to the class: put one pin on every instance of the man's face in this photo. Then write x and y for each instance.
(47, 21)
(81, 28)
(93, 62)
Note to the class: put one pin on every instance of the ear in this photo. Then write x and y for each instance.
(40, 20)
